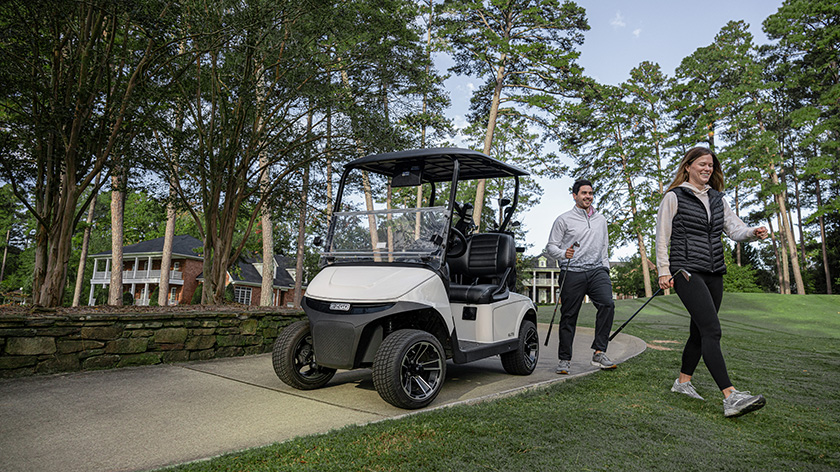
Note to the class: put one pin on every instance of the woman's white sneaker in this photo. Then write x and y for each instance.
(741, 403)
(686, 388)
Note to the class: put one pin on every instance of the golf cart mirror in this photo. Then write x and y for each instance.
(408, 176)
(514, 224)
(318, 241)
(504, 202)
(520, 249)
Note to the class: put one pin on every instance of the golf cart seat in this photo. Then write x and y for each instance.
(480, 275)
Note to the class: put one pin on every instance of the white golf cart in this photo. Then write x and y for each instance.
(403, 290)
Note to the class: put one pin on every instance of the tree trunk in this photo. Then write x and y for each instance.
(488, 141)
(58, 237)
(5, 253)
(301, 239)
(419, 205)
(798, 210)
(169, 232)
(117, 212)
(783, 245)
(738, 214)
(267, 292)
(389, 231)
(267, 287)
(374, 235)
(784, 226)
(166, 258)
(788, 232)
(822, 243)
(208, 287)
(80, 273)
(778, 256)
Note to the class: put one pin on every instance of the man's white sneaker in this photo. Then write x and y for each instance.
(563, 367)
(600, 359)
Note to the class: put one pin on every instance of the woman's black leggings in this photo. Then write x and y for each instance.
(701, 297)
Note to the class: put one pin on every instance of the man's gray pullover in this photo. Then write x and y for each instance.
(588, 230)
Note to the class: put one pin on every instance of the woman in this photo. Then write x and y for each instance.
(691, 218)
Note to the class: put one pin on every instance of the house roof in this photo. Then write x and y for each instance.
(182, 245)
(248, 274)
(550, 262)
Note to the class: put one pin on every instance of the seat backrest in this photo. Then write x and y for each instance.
(488, 255)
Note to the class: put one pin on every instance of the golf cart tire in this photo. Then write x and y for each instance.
(524, 359)
(409, 369)
(293, 357)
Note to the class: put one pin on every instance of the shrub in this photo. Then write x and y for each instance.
(153, 298)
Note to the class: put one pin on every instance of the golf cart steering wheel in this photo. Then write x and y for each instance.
(457, 244)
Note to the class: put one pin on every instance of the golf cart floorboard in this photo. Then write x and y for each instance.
(470, 345)
(469, 351)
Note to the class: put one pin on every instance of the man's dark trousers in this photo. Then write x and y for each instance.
(595, 283)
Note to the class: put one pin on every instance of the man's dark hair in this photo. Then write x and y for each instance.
(580, 183)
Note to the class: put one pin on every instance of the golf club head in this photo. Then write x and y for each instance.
(576, 244)
(686, 274)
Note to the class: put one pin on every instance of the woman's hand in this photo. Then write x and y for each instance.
(666, 282)
(761, 232)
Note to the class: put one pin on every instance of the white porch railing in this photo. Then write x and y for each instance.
(130, 275)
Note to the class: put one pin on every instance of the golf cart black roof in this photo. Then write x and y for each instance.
(438, 164)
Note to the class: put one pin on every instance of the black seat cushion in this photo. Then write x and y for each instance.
(482, 269)
(473, 294)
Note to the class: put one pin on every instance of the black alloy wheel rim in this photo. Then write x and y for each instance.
(420, 371)
(531, 348)
(305, 359)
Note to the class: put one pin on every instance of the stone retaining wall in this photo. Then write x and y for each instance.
(31, 345)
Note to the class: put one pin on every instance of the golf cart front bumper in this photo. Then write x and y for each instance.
(345, 335)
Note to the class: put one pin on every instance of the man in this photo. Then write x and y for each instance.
(588, 274)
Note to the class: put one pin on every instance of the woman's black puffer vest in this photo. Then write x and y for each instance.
(695, 241)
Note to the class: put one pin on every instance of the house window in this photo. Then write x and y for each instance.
(173, 295)
(242, 295)
(176, 265)
(542, 262)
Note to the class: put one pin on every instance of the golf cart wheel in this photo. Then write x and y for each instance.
(294, 359)
(523, 360)
(409, 368)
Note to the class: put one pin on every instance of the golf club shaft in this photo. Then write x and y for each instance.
(557, 303)
(640, 308)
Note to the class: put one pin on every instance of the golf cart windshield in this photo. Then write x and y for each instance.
(396, 235)
(407, 234)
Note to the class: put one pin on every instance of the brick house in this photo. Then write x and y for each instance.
(141, 273)
(246, 280)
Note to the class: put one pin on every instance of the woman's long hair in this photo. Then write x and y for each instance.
(715, 181)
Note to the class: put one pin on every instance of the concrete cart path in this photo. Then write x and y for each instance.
(148, 417)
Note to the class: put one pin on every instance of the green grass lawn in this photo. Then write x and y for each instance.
(785, 347)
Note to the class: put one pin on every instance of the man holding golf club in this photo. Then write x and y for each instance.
(691, 219)
(580, 237)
